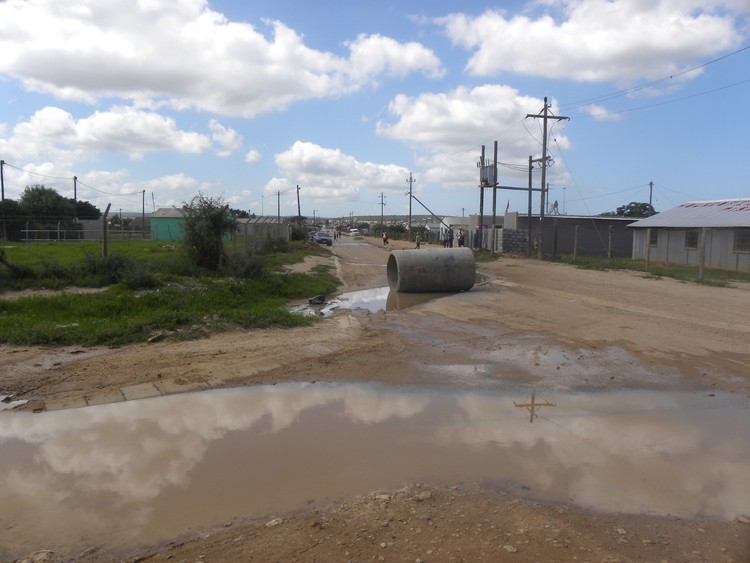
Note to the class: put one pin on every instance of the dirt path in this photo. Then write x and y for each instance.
(532, 326)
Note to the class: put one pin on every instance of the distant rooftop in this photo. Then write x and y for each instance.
(725, 213)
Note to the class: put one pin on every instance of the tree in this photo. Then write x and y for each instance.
(632, 209)
(240, 214)
(86, 210)
(42, 202)
(207, 220)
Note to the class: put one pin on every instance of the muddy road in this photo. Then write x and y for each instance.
(530, 328)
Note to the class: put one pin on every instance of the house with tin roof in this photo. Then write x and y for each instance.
(712, 233)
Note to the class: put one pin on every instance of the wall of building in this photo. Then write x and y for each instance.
(593, 235)
(167, 228)
(670, 248)
(250, 238)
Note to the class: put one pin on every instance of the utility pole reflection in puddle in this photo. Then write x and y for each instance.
(533, 405)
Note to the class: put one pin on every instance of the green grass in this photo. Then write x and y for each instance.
(711, 276)
(150, 290)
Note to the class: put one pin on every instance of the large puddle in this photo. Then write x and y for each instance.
(140, 471)
(373, 300)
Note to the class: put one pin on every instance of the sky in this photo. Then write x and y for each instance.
(149, 103)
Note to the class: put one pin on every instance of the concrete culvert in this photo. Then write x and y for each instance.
(426, 270)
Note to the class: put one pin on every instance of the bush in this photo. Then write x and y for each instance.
(99, 271)
(246, 267)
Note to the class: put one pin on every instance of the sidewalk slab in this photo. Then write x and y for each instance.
(140, 391)
(113, 396)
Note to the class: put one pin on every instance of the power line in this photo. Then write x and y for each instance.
(620, 93)
(37, 173)
(666, 102)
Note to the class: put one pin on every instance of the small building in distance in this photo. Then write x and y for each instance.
(718, 230)
(166, 224)
(250, 236)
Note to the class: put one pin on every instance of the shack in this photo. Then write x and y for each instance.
(716, 231)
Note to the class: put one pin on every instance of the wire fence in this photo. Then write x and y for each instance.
(51, 229)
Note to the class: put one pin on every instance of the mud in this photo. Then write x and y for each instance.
(533, 327)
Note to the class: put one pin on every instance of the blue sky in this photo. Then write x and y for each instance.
(246, 100)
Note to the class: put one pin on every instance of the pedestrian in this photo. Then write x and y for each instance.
(418, 241)
(450, 236)
(460, 237)
(385, 238)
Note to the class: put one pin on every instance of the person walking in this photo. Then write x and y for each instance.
(450, 236)
(418, 241)
(460, 237)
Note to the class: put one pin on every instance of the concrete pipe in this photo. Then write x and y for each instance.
(428, 270)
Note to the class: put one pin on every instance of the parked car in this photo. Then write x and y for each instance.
(354, 232)
(324, 237)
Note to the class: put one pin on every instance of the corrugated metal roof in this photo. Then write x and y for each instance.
(261, 219)
(168, 212)
(694, 214)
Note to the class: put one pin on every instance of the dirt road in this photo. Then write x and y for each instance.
(532, 326)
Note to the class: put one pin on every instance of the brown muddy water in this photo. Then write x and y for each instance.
(373, 300)
(140, 471)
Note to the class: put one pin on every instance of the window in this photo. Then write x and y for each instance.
(654, 240)
(742, 240)
(691, 239)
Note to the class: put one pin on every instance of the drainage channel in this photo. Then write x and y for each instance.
(141, 471)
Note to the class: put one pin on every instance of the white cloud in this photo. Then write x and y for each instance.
(596, 40)
(226, 137)
(185, 54)
(329, 175)
(372, 55)
(449, 127)
(53, 133)
(252, 155)
(601, 113)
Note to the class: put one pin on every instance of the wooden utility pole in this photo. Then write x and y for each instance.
(533, 406)
(411, 181)
(299, 210)
(382, 206)
(544, 116)
(650, 195)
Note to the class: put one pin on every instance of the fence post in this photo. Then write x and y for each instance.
(702, 255)
(105, 231)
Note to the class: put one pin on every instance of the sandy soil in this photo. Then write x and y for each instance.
(531, 326)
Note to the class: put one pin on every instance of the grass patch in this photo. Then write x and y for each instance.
(711, 276)
(151, 291)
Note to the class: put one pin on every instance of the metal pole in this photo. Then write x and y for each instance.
(143, 216)
(529, 210)
(494, 193)
(481, 200)
(2, 197)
